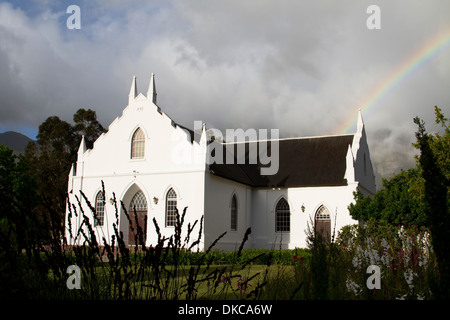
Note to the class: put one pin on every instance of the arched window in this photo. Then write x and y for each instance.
(171, 208)
(234, 213)
(282, 216)
(99, 209)
(323, 222)
(138, 144)
(138, 202)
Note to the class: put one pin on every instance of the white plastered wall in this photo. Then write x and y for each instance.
(171, 160)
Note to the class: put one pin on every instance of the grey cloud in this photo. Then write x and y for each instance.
(301, 66)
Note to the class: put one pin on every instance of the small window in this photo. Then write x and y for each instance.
(138, 144)
(99, 209)
(171, 208)
(282, 216)
(322, 213)
(138, 202)
(234, 213)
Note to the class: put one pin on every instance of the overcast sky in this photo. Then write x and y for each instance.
(304, 67)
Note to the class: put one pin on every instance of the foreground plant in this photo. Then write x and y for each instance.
(404, 255)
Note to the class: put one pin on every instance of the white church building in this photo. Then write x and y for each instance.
(154, 166)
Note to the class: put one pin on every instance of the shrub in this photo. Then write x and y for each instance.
(405, 256)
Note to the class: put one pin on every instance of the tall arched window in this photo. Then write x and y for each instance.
(99, 209)
(323, 222)
(171, 208)
(234, 213)
(138, 144)
(282, 216)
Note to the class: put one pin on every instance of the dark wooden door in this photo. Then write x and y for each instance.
(133, 228)
(323, 228)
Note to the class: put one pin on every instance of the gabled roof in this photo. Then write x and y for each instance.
(303, 162)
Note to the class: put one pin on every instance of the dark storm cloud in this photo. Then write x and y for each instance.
(301, 66)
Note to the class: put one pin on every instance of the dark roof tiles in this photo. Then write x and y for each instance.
(303, 162)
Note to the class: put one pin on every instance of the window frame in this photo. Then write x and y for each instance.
(142, 199)
(138, 144)
(171, 208)
(321, 216)
(282, 216)
(234, 213)
(99, 216)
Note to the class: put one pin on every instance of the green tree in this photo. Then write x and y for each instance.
(18, 230)
(86, 125)
(51, 162)
(319, 248)
(18, 200)
(434, 161)
(400, 201)
(50, 167)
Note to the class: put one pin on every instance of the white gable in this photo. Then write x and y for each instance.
(164, 142)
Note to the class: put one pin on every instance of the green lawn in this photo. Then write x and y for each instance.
(195, 282)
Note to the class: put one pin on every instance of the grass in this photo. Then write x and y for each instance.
(232, 284)
(215, 282)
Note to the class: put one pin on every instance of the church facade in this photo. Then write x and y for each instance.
(151, 166)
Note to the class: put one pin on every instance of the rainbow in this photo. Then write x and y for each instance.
(426, 53)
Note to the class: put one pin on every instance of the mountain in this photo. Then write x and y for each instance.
(14, 140)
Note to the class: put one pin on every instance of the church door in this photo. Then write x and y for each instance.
(138, 213)
(323, 223)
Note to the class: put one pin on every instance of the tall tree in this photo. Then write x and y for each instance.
(58, 143)
(57, 150)
(434, 161)
(400, 201)
(86, 125)
(18, 199)
(20, 231)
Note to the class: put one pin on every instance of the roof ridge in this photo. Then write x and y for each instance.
(293, 138)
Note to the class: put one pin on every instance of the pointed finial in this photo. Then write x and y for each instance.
(201, 125)
(151, 94)
(133, 89)
(82, 149)
(360, 123)
(350, 165)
